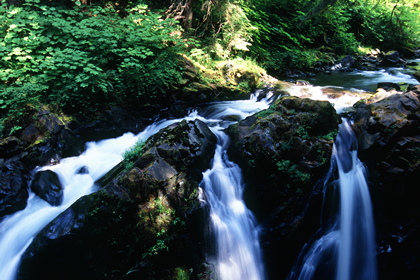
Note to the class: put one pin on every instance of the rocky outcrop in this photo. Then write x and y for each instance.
(388, 132)
(283, 152)
(44, 140)
(145, 223)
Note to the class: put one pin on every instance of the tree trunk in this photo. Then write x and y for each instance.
(181, 10)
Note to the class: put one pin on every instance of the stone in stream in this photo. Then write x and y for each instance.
(47, 186)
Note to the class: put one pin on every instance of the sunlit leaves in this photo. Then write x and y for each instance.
(86, 56)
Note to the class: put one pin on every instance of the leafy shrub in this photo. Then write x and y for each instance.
(132, 154)
(85, 56)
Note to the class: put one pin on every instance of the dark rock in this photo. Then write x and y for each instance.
(348, 61)
(416, 75)
(283, 152)
(47, 186)
(392, 58)
(346, 64)
(414, 88)
(47, 139)
(10, 146)
(83, 170)
(13, 191)
(114, 122)
(389, 139)
(145, 222)
(388, 86)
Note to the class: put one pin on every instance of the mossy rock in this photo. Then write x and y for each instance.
(142, 223)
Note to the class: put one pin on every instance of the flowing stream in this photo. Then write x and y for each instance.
(344, 247)
(19, 229)
(365, 80)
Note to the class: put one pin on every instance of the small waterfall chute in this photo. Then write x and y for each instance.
(344, 247)
(233, 227)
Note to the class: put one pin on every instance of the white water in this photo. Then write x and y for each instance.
(233, 225)
(346, 248)
(235, 233)
(18, 230)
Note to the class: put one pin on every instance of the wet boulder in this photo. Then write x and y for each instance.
(48, 138)
(145, 222)
(83, 170)
(388, 133)
(286, 147)
(10, 146)
(414, 88)
(392, 58)
(47, 186)
(283, 152)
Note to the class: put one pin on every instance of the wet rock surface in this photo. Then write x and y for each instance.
(145, 222)
(44, 140)
(283, 152)
(389, 139)
(47, 186)
(13, 187)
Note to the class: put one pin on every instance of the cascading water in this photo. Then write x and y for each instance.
(346, 247)
(236, 237)
(18, 230)
(239, 253)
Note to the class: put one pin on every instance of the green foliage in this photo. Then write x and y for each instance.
(17, 104)
(292, 170)
(300, 34)
(267, 112)
(159, 246)
(388, 25)
(132, 154)
(223, 27)
(289, 35)
(303, 131)
(85, 56)
(182, 273)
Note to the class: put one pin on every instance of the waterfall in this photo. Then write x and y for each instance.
(233, 226)
(345, 245)
(18, 230)
(238, 254)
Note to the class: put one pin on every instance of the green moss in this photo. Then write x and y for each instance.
(265, 113)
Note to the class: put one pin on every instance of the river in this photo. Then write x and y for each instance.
(234, 227)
